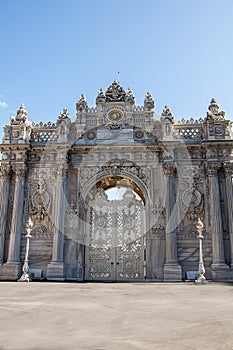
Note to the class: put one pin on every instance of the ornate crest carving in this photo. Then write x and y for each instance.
(115, 93)
(40, 202)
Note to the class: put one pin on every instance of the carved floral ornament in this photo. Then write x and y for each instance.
(116, 169)
(40, 202)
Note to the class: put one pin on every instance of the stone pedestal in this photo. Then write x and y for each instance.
(56, 271)
(220, 272)
(10, 271)
(172, 272)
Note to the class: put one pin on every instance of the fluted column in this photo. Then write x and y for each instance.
(228, 168)
(4, 197)
(218, 267)
(17, 217)
(55, 270)
(172, 270)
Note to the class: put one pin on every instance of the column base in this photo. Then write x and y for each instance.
(10, 271)
(55, 271)
(220, 272)
(172, 272)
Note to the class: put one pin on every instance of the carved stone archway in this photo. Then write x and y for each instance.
(115, 231)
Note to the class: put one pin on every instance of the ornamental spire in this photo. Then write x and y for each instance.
(214, 112)
(21, 116)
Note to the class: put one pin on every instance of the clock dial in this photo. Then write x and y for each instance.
(115, 116)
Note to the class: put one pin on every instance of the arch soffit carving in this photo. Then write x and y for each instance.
(87, 188)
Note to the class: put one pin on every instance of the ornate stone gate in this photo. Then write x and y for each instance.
(58, 174)
(115, 238)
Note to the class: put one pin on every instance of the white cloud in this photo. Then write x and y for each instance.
(3, 104)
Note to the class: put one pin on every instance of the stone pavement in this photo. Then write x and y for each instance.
(96, 316)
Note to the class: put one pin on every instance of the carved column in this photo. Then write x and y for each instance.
(228, 167)
(55, 270)
(16, 223)
(219, 268)
(4, 197)
(172, 270)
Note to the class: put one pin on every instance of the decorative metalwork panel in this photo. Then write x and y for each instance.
(115, 246)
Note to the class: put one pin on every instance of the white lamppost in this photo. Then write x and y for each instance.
(201, 271)
(25, 276)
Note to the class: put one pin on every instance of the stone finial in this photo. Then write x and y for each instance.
(115, 93)
(100, 97)
(130, 96)
(167, 115)
(81, 105)
(214, 112)
(149, 102)
(64, 115)
(21, 116)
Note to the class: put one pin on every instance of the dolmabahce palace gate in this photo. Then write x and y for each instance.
(115, 195)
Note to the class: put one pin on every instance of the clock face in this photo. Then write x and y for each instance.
(115, 116)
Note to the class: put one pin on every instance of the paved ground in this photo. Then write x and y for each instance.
(70, 316)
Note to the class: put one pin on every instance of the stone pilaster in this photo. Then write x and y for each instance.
(228, 168)
(219, 268)
(55, 270)
(172, 269)
(4, 197)
(13, 261)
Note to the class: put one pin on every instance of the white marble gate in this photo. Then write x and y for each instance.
(115, 238)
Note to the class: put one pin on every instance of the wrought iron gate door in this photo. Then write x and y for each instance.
(115, 239)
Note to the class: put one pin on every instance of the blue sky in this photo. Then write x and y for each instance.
(53, 50)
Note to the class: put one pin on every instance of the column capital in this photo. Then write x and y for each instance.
(5, 171)
(212, 168)
(19, 171)
(61, 170)
(228, 168)
(168, 167)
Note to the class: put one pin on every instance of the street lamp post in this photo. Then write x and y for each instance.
(25, 276)
(201, 271)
